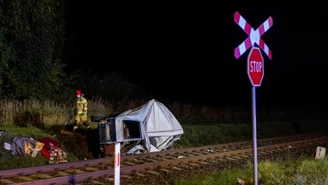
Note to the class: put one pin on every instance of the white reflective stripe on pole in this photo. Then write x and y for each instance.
(117, 163)
(254, 133)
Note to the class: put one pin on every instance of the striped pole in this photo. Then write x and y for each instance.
(117, 162)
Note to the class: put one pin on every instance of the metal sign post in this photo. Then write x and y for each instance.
(255, 68)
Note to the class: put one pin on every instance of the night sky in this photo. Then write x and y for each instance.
(186, 51)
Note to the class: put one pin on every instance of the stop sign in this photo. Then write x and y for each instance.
(255, 66)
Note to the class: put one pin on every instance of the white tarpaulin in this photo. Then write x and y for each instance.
(160, 127)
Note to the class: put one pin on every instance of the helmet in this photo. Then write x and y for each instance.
(78, 92)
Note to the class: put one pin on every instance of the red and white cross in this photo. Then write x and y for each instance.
(254, 35)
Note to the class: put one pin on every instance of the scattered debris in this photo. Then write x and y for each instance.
(65, 132)
(210, 150)
(241, 181)
(2, 132)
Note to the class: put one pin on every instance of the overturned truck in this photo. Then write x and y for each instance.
(149, 128)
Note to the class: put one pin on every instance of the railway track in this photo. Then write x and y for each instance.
(100, 171)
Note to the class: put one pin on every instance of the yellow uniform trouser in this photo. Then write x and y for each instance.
(80, 119)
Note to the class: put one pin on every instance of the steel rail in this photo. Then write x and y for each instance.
(229, 155)
(109, 160)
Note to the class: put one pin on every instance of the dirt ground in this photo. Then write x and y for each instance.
(84, 143)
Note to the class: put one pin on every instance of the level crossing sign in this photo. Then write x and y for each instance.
(254, 35)
(255, 66)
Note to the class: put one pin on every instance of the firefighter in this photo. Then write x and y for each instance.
(82, 110)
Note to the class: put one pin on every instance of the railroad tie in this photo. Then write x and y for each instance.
(153, 172)
(129, 163)
(41, 176)
(262, 153)
(140, 174)
(24, 178)
(92, 169)
(106, 166)
(244, 156)
(211, 161)
(197, 153)
(184, 166)
(96, 182)
(193, 164)
(75, 171)
(220, 160)
(176, 168)
(6, 181)
(126, 176)
(236, 158)
(166, 170)
(61, 173)
(170, 157)
(150, 160)
(137, 160)
(156, 158)
(109, 179)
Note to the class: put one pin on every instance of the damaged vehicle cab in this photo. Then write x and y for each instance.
(148, 128)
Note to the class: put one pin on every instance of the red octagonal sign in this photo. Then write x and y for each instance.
(255, 66)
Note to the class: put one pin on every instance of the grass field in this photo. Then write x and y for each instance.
(302, 171)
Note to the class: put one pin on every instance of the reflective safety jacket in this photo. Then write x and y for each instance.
(82, 106)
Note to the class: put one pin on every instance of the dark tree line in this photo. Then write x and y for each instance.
(32, 38)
